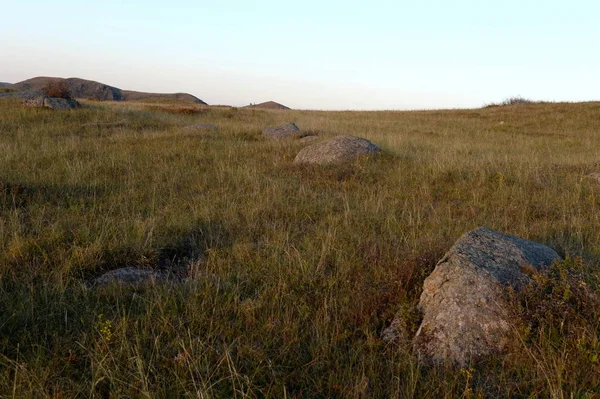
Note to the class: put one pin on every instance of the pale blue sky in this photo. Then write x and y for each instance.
(313, 54)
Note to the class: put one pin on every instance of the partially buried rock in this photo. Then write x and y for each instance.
(201, 126)
(398, 331)
(40, 100)
(34, 100)
(128, 276)
(60, 103)
(465, 311)
(336, 150)
(281, 132)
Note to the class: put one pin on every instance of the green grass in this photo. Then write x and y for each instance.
(294, 270)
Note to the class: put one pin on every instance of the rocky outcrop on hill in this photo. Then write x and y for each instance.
(78, 88)
(336, 150)
(267, 105)
(82, 88)
(129, 95)
(281, 132)
(465, 310)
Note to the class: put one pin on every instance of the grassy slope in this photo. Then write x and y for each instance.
(296, 269)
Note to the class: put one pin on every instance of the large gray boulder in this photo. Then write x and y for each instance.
(60, 103)
(281, 132)
(336, 150)
(33, 100)
(40, 100)
(465, 311)
(28, 98)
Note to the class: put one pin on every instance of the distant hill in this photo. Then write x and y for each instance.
(4, 84)
(82, 88)
(268, 105)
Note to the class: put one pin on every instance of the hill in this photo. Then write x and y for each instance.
(267, 105)
(82, 88)
(5, 84)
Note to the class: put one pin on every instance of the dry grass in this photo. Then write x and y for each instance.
(178, 109)
(294, 270)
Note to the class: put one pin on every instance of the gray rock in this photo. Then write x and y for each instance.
(397, 331)
(336, 150)
(23, 95)
(60, 103)
(201, 126)
(465, 311)
(128, 276)
(281, 132)
(34, 101)
(40, 100)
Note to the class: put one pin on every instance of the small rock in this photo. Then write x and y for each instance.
(403, 326)
(397, 331)
(128, 276)
(281, 132)
(201, 126)
(336, 150)
(465, 311)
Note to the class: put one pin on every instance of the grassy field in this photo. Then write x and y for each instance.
(293, 270)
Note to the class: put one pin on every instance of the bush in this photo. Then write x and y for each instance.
(57, 89)
(512, 101)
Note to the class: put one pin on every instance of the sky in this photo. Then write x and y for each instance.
(313, 54)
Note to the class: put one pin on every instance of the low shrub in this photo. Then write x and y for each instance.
(57, 89)
(512, 101)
